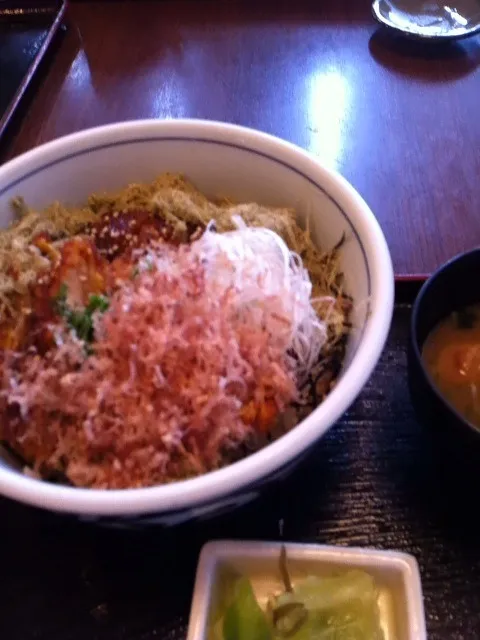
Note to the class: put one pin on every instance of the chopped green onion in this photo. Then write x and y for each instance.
(80, 321)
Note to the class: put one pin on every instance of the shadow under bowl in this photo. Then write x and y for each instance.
(451, 288)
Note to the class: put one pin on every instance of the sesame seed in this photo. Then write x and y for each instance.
(116, 214)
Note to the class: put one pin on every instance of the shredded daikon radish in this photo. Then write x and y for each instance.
(267, 279)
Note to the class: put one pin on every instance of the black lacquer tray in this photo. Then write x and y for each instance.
(28, 32)
(374, 480)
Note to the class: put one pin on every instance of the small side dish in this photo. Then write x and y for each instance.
(342, 606)
(270, 591)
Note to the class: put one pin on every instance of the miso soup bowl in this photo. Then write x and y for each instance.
(246, 165)
(453, 286)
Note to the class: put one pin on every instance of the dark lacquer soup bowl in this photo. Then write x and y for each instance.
(454, 287)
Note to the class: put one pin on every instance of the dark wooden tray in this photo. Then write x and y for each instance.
(27, 34)
(374, 481)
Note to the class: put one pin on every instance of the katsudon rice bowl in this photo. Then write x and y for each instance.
(186, 307)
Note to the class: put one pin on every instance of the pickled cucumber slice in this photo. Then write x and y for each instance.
(244, 619)
(343, 607)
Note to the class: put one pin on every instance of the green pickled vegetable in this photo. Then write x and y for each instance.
(343, 607)
(340, 607)
(283, 567)
(320, 593)
(244, 618)
(289, 618)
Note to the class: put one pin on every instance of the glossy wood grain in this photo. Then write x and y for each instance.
(398, 120)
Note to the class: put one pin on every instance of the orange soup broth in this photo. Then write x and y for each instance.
(451, 355)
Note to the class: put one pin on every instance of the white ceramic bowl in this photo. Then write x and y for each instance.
(221, 159)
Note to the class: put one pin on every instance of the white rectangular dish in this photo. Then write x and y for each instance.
(396, 576)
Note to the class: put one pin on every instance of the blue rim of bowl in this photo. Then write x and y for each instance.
(414, 337)
(150, 139)
(129, 141)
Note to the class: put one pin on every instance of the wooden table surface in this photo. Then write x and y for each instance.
(398, 120)
(401, 122)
